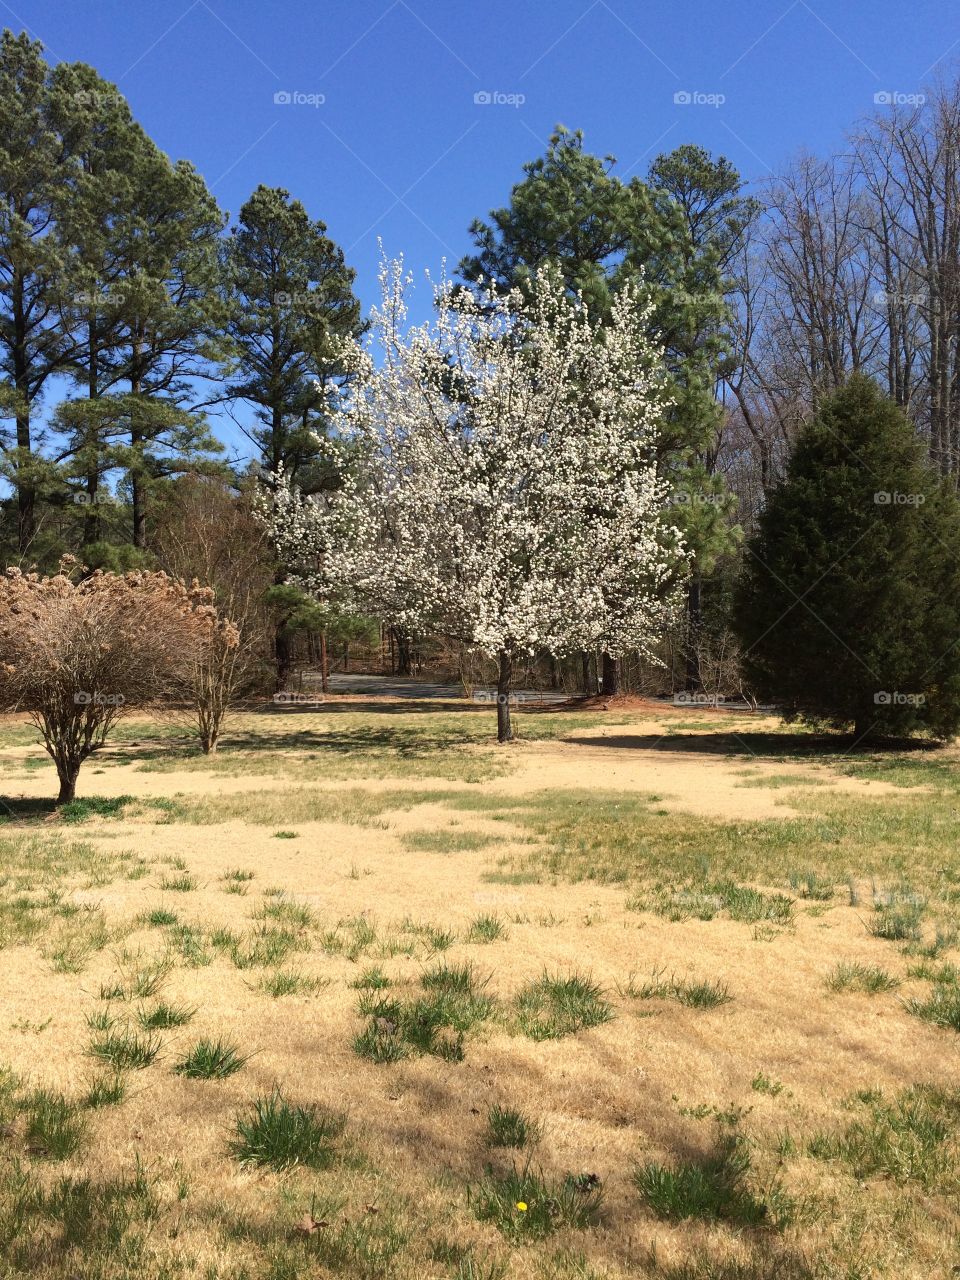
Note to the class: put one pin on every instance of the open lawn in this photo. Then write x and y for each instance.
(364, 995)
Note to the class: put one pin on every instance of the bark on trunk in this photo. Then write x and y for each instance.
(91, 515)
(585, 673)
(504, 681)
(863, 729)
(26, 494)
(694, 631)
(324, 664)
(283, 654)
(404, 655)
(136, 478)
(68, 786)
(611, 675)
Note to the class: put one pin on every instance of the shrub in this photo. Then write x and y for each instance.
(76, 656)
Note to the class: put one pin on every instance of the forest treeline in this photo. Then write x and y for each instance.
(133, 310)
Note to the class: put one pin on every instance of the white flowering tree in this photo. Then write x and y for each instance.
(505, 491)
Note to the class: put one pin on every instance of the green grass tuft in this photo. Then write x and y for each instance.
(280, 1135)
(487, 928)
(552, 1007)
(869, 979)
(55, 1127)
(525, 1205)
(508, 1127)
(210, 1060)
(125, 1050)
(164, 1016)
(713, 1188)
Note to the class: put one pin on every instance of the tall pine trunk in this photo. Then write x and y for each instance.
(694, 680)
(324, 664)
(26, 493)
(91, 515)
(136, 474)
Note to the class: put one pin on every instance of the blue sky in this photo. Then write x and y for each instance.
(384, 136)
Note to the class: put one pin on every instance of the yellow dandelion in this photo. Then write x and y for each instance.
(522, 1206)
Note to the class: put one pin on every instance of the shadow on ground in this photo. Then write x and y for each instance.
(769, 745)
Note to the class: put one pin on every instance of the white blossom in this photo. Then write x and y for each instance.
(504, 488)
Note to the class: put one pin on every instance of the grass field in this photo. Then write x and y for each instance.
(366, 996)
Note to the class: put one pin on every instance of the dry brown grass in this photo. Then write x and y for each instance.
(561, 841)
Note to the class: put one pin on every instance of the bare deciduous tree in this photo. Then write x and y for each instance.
(77, 655)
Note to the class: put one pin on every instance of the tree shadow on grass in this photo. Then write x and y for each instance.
(769, 745)
(404, 742)
(21, 809)
(397, 706)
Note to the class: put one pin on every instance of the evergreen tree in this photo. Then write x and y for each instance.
(106, 148)
(701, 198)
(848, 608)
(33, 346)
(165, 242)
(292, 307)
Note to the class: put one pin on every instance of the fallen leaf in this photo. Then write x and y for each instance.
(309, 1225)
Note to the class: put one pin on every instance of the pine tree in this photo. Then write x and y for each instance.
(291, 307)
(106, 149)
(700, 197)
(171, 312)
(848, 608)
(33, 346)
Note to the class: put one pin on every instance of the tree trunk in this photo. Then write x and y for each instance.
(585, 673)
(91, 514)
(283, 655)
(694, 631)
(610, 676)
(324, 664)
(504, 680)
(404, 656)
(136, 474)
(26, 494)
(68, 784)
